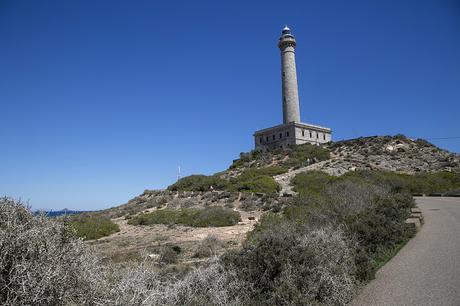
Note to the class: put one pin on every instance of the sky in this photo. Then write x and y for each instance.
(100, 100)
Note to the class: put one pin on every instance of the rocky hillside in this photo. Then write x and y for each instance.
(387, 153)
(398, 154)
(263, 181)
(158, 199)
(241, 185)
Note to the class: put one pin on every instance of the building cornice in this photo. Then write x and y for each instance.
(294, 124)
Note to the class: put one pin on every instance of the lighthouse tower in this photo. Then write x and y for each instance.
(291, 109)
(292, 131)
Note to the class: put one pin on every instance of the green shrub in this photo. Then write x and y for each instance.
(303, 155)
(263, 157)
(199, 183)
(93, 227)
(288, 264)
(196, 217)
(257, 180)
(423, 142)
(358, 217)
(176, 249)
(311, 183)
(373, 207)
(298, 156)
(269, 171)
(260, 184)
(422, 183)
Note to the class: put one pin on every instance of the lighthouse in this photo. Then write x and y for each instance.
(292, 131)
(290, 92)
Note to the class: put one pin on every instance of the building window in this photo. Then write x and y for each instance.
(317, 135)
(303, 133)
(266, 138)
(261, 139)
(311, 135)
(324, 136)
(281, 135)
(273, 137)
(287, 134)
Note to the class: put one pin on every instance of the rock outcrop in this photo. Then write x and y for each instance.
(398, 154)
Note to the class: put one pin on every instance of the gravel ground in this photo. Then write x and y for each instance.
(427, 270)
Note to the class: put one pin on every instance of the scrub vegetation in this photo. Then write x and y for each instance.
(290, 157)
(318, 250)
(251, 180)
(314, 182)
(196, 217)
(92, 227)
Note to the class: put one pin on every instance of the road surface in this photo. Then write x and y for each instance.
(427, 269)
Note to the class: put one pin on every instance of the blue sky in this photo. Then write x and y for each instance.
(102, 99)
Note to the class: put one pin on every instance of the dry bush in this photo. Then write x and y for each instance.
(136, 285)
(168, 255)
(208, 247)
(211, 285)
(334, 281)
(346, 198)
(42, 263)
(288, 264)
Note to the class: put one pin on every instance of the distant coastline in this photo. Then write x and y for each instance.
(57, 213)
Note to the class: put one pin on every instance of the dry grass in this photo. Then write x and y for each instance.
(133, 241)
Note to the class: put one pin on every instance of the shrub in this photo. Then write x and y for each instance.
(423, 142)
(93, 227)
(311, 183)
(257, 180)
(269, 171)
(42, 263)
(296, 265)
(176, 249)
(422, 183)
(260, 184)
(168, 255)
(212, 285)
(372, 213)
(263, 157)
(208, 285)
(196, 217)
(303, 155)
(199, 183)
(208, 247)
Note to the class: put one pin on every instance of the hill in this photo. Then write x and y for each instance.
(258, 182)
(308, 224)
(399, 154)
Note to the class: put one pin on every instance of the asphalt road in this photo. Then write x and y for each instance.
(427, 269)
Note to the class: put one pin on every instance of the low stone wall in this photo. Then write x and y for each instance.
(416, 218)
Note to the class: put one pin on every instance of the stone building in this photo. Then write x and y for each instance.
(292, 131)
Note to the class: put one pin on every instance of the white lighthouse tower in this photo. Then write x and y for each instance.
(292, 131)
(291, 108)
